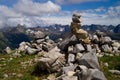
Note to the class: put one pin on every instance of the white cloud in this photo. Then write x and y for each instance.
(101, 16)
(29, 7)
(24, 11)
(74, 1)
(34, 14)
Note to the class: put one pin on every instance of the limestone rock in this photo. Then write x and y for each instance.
(97, 75)
(8, 50)
(65, 70)
(68, 78)
(52, 61)
(30, 50)
(106, 40)
(115, 72)
(106, 48)
(90, 60)
(39, 35)
(78, 48)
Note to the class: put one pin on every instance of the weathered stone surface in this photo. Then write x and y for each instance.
(97, 75)
(65, 70)
(116, 44)
(89, 48)
(68, 78)
(76, 18)
(71, 58)
(39, 35)
(78, 56)
(95, 39)
(115, 72)
(52, 61)
(23, 46)
(78, 48)
(70, 40)
(90, 60)
(106, 39)
(30, 50)
(82, 73)
(106, 48)
(8, 50)
(39, 41)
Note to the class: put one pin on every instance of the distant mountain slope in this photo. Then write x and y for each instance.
(12, 36)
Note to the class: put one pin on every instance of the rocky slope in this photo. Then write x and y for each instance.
(80, 62)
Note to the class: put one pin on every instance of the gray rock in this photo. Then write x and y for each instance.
(30, 50)
(76, 18)
(39, 35)
(115, 72)
(16, 54)
(78, 56)
(116, 44)
(89, 48)
(106, 48)
(97, 48)
(47, 46)
(83, 73)
(68, 78)
(106, 40)
(8, 50)
(39, 41)
(52, 61)
(23, 46)
(90, 60)
(78, 48)
(71, 58)
(68, 41)
(65, 70)
(95, 39)
(97, 75)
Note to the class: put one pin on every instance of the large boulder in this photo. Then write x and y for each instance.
(84, 73)
(52, 61)
(89, 60)
(97, 75)
(70, 40)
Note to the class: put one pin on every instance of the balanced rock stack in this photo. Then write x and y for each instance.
(40, 43)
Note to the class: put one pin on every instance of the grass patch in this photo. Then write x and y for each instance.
(114, 63)
(19, 68)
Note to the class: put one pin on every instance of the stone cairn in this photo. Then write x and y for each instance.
(71, 58)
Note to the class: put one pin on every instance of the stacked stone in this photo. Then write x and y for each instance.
(103, 43)
(40, 43)
(75, 28)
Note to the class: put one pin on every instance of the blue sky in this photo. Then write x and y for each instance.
(42, 12)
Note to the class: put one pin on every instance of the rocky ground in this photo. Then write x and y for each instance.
(44, 59)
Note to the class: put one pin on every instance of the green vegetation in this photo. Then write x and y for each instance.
(114, 64)
(22, 68)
